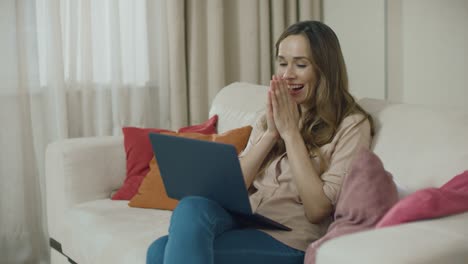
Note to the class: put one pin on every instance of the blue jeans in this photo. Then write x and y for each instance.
(202, 232)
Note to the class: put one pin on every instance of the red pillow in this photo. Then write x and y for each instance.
(139, 153)
(208, 127)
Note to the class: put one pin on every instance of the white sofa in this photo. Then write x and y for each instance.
(421, 146)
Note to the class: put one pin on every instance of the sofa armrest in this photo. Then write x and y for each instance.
(443, 240)
(80, 170)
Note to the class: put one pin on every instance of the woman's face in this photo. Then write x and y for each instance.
(295, 66)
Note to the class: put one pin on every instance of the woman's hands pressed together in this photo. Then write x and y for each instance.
(283, 117)
(282, 111)
(283, 122)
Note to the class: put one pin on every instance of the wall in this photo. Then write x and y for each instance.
(360, 26)
(435, 51)
(413, 51)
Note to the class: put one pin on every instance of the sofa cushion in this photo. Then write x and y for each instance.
(422, 146)
(139, 153)
(152, 193)
(434, 241)
(107, 231)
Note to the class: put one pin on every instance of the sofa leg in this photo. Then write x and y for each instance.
(55, 245)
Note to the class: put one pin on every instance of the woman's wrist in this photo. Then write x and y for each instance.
(291, 136)
(270, 136)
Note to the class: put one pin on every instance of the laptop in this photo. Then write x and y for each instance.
(191, 167)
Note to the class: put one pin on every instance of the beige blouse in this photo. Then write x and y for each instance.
(276, 195)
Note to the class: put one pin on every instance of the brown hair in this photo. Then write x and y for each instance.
(330, 101)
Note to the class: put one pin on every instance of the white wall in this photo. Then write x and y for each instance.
(435, 51)
(413, 51)
(360, 26)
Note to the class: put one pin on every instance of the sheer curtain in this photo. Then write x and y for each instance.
(103, 62)
(82, 68)
(70, 69)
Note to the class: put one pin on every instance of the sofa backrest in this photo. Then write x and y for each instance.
(421, 146)
(238, 104)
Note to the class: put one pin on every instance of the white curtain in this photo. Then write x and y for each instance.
(70, 68)
(76, 68)
(102, 62)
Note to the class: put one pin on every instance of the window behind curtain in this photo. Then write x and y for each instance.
(102, 41)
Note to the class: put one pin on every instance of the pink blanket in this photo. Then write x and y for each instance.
(367, 193)
(451, 198)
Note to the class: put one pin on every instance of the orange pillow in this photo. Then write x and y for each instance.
(152, 193)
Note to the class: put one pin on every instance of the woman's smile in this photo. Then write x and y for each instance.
(295, 89)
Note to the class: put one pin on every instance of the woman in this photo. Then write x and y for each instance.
(297, 156)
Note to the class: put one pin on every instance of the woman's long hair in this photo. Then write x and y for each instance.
(330, 102)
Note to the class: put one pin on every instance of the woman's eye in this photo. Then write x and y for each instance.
(301, 65)
(282, 64)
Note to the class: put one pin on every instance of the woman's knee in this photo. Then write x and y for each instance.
(196, 213)
(155, 253)
(194, 207)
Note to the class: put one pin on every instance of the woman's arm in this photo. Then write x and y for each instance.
(251, 161)
(309, 185)
(319, 192)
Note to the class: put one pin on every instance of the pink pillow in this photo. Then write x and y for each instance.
(451, 198)
(367, 192)
(139, 154)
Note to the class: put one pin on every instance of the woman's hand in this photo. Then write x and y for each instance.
(283, 108)
(271, 127)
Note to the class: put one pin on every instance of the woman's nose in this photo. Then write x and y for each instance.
(288, 73)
